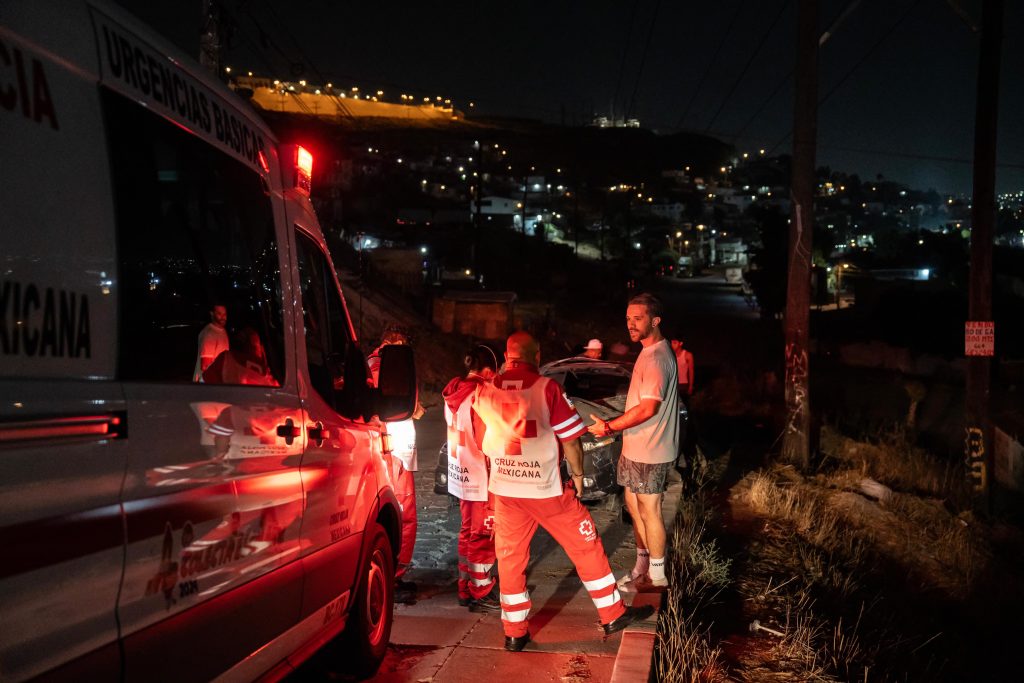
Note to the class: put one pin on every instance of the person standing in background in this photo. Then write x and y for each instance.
(213, 340)
(684, 362)
(687, 433)
(593, 349)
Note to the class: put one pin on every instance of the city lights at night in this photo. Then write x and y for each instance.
(312, 315)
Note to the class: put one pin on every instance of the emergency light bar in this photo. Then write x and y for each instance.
(300, 161)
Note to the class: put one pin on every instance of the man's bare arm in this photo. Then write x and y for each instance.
(638, 414)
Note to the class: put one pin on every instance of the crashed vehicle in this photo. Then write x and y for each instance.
(595, 387)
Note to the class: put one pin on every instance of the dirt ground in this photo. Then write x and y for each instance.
(873, 566)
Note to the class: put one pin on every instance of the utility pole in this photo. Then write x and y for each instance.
(478, 215)
(210, 38)
(796, 447)
(978, 444)
(576, 209)
(526, 184)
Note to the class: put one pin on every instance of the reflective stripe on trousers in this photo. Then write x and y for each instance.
(571, 525)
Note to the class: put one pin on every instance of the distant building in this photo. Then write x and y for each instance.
(499, 206)
(605, 122)
(670, 211)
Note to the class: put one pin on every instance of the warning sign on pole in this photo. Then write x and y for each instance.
(979, 338)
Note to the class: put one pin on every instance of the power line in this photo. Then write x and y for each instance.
(643, 61)
(915, 156)
(856, 66)
(625, 55)
(714, 58)
(746, 67)
(825, 36)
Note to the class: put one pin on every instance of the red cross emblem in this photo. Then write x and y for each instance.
(512, 414)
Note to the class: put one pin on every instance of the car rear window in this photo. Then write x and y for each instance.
(594, 386)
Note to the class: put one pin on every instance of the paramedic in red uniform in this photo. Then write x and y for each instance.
(402, 440)
(467, 481)
(523, 420)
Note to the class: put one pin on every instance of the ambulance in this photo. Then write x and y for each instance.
(154, 527)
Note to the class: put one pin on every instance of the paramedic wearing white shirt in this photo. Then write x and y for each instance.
(650, 438)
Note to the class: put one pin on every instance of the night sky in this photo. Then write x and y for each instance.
(897, 77)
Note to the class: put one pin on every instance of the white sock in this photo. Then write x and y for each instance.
(657, 569)
(642, 560)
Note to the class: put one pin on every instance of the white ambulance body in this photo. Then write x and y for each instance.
(152, 527)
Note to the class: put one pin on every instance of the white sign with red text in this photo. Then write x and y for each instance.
(979, 338)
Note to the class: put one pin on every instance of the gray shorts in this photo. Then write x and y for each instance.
(642, 477)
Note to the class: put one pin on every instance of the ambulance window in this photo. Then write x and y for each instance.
(195, 229)
(323, 313)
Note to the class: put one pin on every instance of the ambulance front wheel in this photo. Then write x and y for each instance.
(369, 624)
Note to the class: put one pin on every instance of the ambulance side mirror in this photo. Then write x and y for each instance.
(352, 395)
(396, 393)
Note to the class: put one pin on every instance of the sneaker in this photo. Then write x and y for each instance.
(645, 584)
(465, 602)
(488, 603)
(626, 580)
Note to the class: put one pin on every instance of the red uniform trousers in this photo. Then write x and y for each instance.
(405, 492)
(570, 524)
(476, 548)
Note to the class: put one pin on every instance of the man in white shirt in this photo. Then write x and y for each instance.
(213, 340)
(650, 439)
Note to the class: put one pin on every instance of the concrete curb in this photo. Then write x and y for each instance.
(635, 657)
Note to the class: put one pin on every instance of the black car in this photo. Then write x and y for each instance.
(595, 387)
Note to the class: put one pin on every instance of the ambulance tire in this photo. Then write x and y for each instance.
(368, 630)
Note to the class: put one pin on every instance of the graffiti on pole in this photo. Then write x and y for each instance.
(796, 385)
(974, 449)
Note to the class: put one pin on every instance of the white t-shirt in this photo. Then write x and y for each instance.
(654, 376)
(213, 341)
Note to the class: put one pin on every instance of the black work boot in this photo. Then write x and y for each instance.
(628, 617)
(516, 643)
(488, 603)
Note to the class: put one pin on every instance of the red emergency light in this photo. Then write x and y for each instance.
(301, 161)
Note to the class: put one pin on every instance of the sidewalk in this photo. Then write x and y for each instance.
(435, 640)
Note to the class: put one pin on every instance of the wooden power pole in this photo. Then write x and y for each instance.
(796, 446)
(979, 339)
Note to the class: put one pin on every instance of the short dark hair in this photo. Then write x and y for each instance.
(480, 357)
(653, 304)
(395, 333)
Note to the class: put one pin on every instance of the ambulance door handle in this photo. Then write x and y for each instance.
(318, 434)
(289, 431)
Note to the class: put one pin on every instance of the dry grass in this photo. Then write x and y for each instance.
(697, 575)
(892, 460)
(865, 582)
(820, 542)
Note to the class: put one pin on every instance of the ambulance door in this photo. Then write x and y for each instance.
(213, 495)
(62, 429)
(342, 454)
